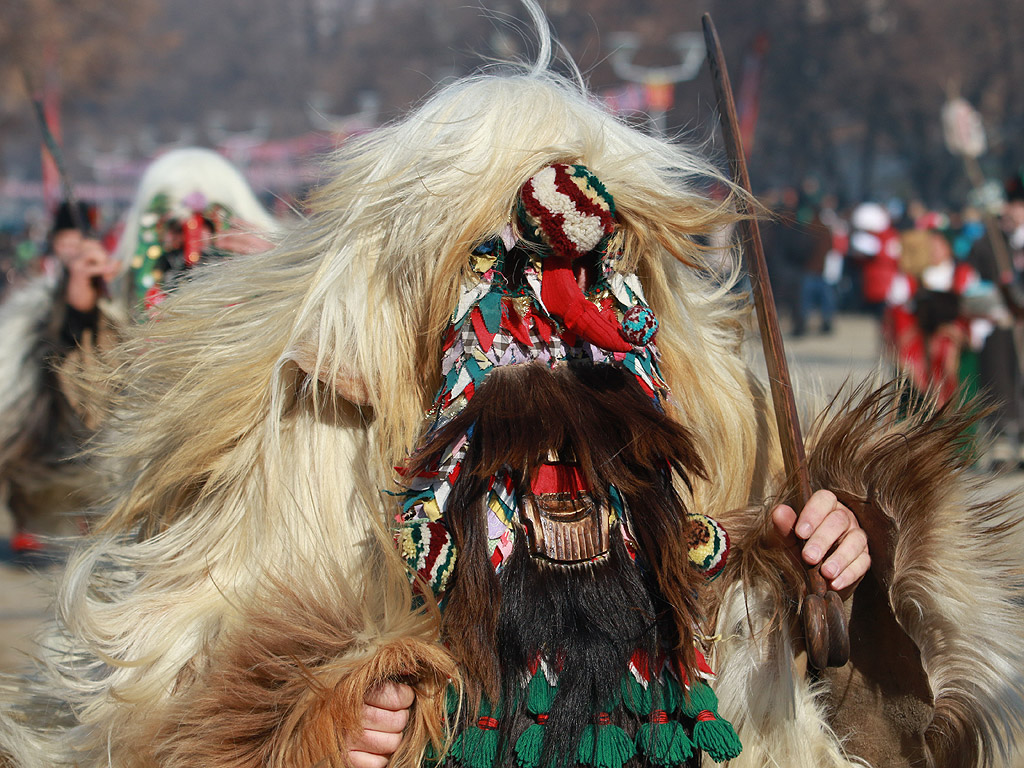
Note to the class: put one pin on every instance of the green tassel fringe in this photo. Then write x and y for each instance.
(539, 694)
(671, 694)
(476, 748)
(716, 737)
(605, 746)
(636, 697)
(530, 746)
(664, 744)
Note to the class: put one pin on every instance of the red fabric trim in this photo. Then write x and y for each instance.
(705, 716)
(558, 478)
(480, 329)
(543, 327)
(487, 723)
(516, 325)
(702, 663)
(563, 297)
(642, 663)
(659, 716)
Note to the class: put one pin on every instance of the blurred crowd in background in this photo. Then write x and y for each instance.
(945, 286)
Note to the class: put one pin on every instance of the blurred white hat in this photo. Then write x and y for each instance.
(870, 217)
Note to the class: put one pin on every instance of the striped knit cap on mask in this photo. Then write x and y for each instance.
(567, 208)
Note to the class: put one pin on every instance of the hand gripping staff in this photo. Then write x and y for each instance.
(826, 633)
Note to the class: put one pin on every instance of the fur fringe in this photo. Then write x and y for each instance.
(24, 318)
(936, 628)
(287, 690)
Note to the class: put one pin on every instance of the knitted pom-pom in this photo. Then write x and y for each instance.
(639, 325)
(566, 208)
(429, 550)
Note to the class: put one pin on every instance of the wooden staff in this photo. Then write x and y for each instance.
(825, 628)
(65, 179)
(58, 157)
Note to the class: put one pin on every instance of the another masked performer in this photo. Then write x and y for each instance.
(526, 271)
(192, 206)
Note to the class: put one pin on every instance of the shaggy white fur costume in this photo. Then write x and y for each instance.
(241, 590)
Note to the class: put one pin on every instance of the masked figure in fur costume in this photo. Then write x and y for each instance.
(53, 325)
(504, 297)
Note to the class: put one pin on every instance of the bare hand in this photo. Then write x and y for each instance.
(826, 529)
(385, 715)
(88, 268)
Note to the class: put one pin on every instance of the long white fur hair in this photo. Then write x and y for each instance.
(242, 478)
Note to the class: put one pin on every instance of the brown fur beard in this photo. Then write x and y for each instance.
(593, 615)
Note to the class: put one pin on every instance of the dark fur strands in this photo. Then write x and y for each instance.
(619, 438)
(910, 470)
(937, 622)
(468, 628)
(527, 411)
(588, 619)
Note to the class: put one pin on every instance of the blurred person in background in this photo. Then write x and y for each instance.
(192, 207)
(812, 243)
(785, 251)
(999, 361)
(875, 249)
(40, 433)
(931, 338)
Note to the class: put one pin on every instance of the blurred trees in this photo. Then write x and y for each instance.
(85, 43)
(849, 84)
(851, 90)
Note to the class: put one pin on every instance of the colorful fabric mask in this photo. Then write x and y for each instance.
(171, 241)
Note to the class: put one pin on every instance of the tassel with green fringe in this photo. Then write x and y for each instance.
(635, 696)
(664, 742)
(530, 745)
(604, 745)
(477, 745)
(712, 734)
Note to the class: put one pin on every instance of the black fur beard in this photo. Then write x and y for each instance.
(585, 621)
